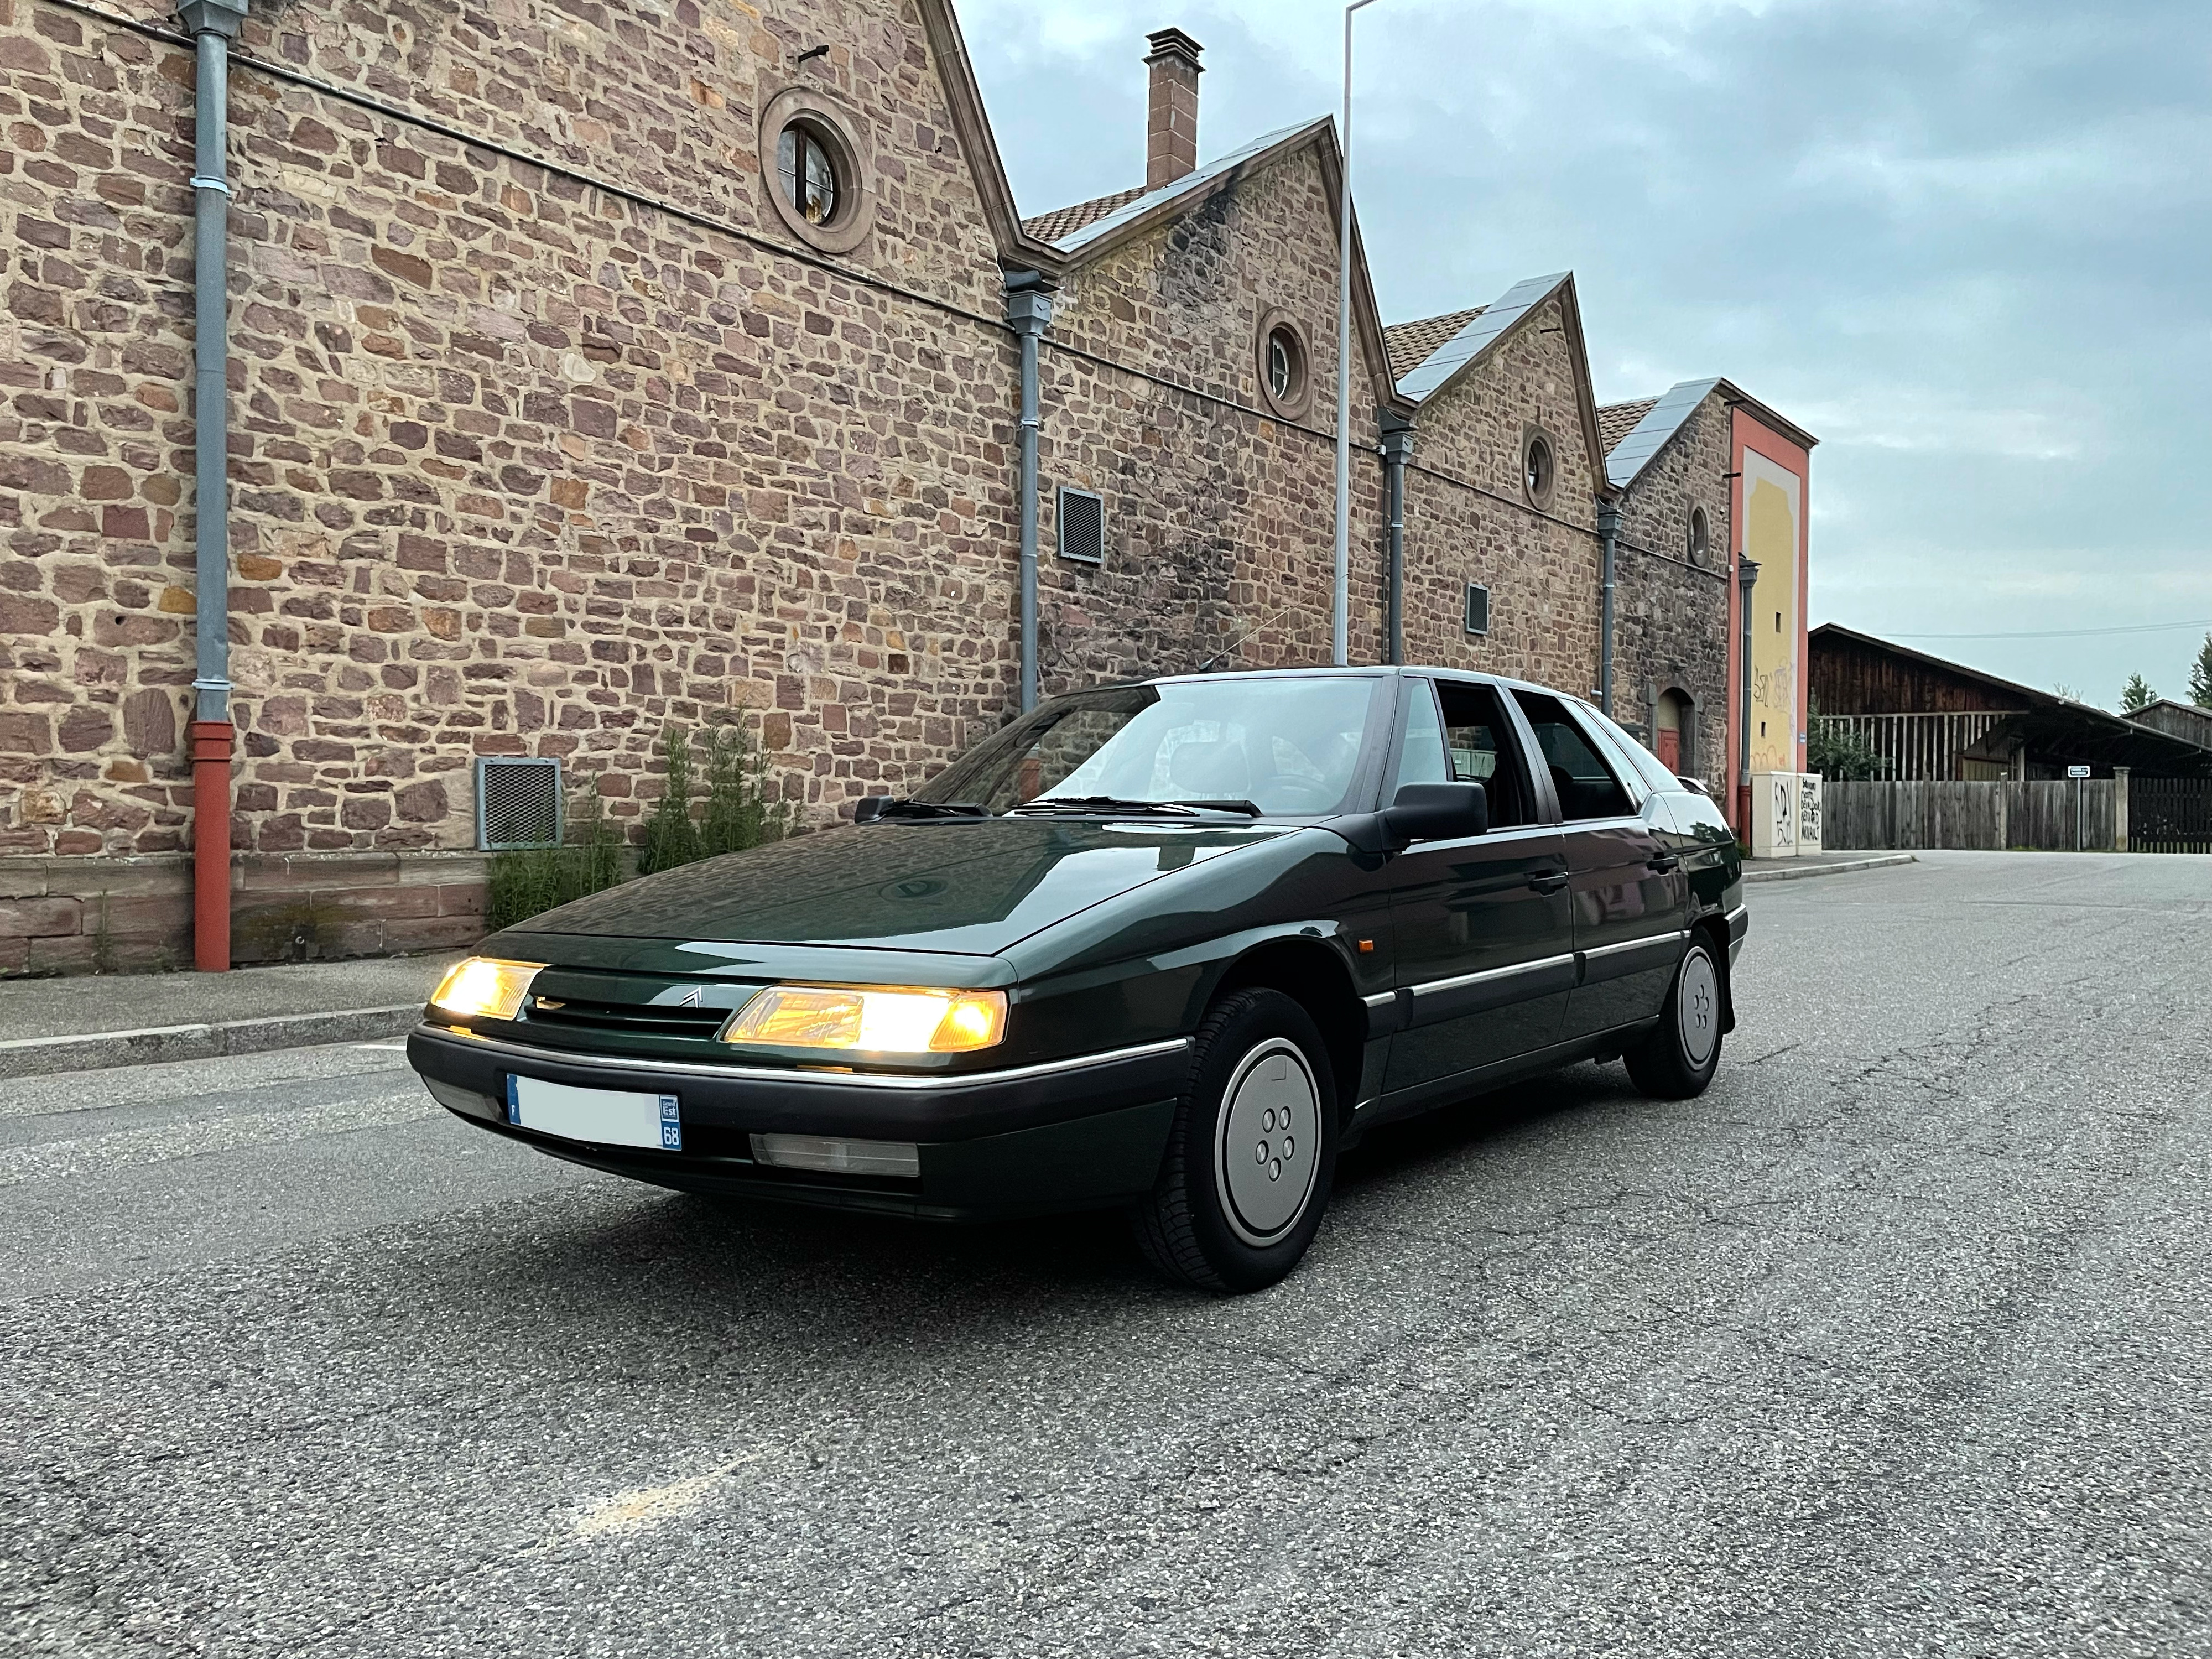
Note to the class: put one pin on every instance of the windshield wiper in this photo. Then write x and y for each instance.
(1116, 806)
(903, 808)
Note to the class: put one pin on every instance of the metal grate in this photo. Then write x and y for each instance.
(1082, 526)
(517, 803)
(1478, 608)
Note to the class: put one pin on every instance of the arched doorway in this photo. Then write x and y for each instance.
(1676, 731)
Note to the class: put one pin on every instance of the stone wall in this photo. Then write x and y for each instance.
(519, 466)
(1670, 615)
(1468, 518)
(1219, 511)
(62, 915)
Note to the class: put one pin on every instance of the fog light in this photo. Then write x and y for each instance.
(900, 1159)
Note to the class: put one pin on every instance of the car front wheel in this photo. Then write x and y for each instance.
(1679, 1057)
(1253, 1152)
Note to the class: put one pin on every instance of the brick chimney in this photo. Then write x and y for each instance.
(1171, 130)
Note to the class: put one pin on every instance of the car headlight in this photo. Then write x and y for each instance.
(486, 986)
(873, 1022)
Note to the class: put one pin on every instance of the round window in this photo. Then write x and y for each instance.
(807, 166)
(1537, 469)
(816, 169)
(1284, 376)
(1699, 537)
(1282, 365)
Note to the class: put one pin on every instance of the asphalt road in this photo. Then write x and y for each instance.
(1897, 1342)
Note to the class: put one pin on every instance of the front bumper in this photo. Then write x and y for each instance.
(1071, 1134)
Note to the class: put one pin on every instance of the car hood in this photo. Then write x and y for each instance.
(968, 887)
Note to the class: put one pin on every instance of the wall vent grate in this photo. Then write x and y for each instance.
(1478, 608)
(1082, 526)
(517, 803)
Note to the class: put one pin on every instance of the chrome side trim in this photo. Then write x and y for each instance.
(780, 1074)
(1381, 1000)
(1490, 975)
(1650, 943)
(1736, 916)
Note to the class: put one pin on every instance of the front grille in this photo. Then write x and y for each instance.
(634, 1019)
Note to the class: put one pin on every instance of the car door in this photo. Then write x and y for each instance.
(1630, 895)
(1484, 940)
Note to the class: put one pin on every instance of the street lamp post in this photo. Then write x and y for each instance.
(1342, 635)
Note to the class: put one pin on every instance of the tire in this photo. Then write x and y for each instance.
(1679, 1057)
(1224, 1216)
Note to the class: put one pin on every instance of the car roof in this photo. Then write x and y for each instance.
(1369, 670)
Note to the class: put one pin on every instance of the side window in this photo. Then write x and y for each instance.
(1479, 744)
(1584, 783)
(1421, 759)
(1657, 773)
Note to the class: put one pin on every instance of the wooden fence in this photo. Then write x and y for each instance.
(1984, 816)
(2170, 815)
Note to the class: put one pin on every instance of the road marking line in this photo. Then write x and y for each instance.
(650, 1506)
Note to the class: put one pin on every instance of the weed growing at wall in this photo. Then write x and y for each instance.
(713, 801)
(529, 882)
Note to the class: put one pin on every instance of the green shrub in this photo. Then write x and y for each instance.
(530, 881)
(1838, 753)
(733, 814)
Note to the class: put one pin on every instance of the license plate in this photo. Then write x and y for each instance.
(603, 1116)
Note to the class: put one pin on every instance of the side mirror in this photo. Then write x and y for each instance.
(869, 808)
(1434, 812)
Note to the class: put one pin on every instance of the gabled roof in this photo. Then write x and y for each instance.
(1489, 326)
(1662, 419)
(1066, 221)
(1486, 327)
(1616, 421)
(1408, 344)
(1138, 211)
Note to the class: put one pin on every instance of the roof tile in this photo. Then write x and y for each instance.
(1410, 344)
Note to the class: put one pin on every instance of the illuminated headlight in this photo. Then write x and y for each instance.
(486, 986)
(870, 1022)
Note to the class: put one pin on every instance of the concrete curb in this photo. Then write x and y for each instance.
(1842, 867)
(96, 1050)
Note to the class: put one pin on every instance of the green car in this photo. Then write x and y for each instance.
(1169, 947)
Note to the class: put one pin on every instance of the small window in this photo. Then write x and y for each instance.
(1082, 526)
(1584, 783)
(1540, 467)
(517, 803)
(1700, 536)
(1285, 366)
(807, 166)
(1478, 608)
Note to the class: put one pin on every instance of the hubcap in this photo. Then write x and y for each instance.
(1264, 1148)
(1698, 1008)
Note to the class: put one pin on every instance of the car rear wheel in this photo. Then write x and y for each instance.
(1679, 1057)
(1253, 1151)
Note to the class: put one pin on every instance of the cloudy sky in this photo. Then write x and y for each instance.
(1969, 246)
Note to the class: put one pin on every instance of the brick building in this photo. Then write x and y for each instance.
(599, 369)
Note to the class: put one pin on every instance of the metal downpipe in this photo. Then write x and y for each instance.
(1608, 530)
(1746, 577)
(1397, 450)
(212, 23)
(1029, 309)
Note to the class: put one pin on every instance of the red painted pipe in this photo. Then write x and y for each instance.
(211, 741)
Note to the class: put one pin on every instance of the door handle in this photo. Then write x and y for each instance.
(1548, 881)
(1665, 862)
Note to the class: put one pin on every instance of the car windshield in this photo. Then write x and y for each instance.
(1281, 746)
